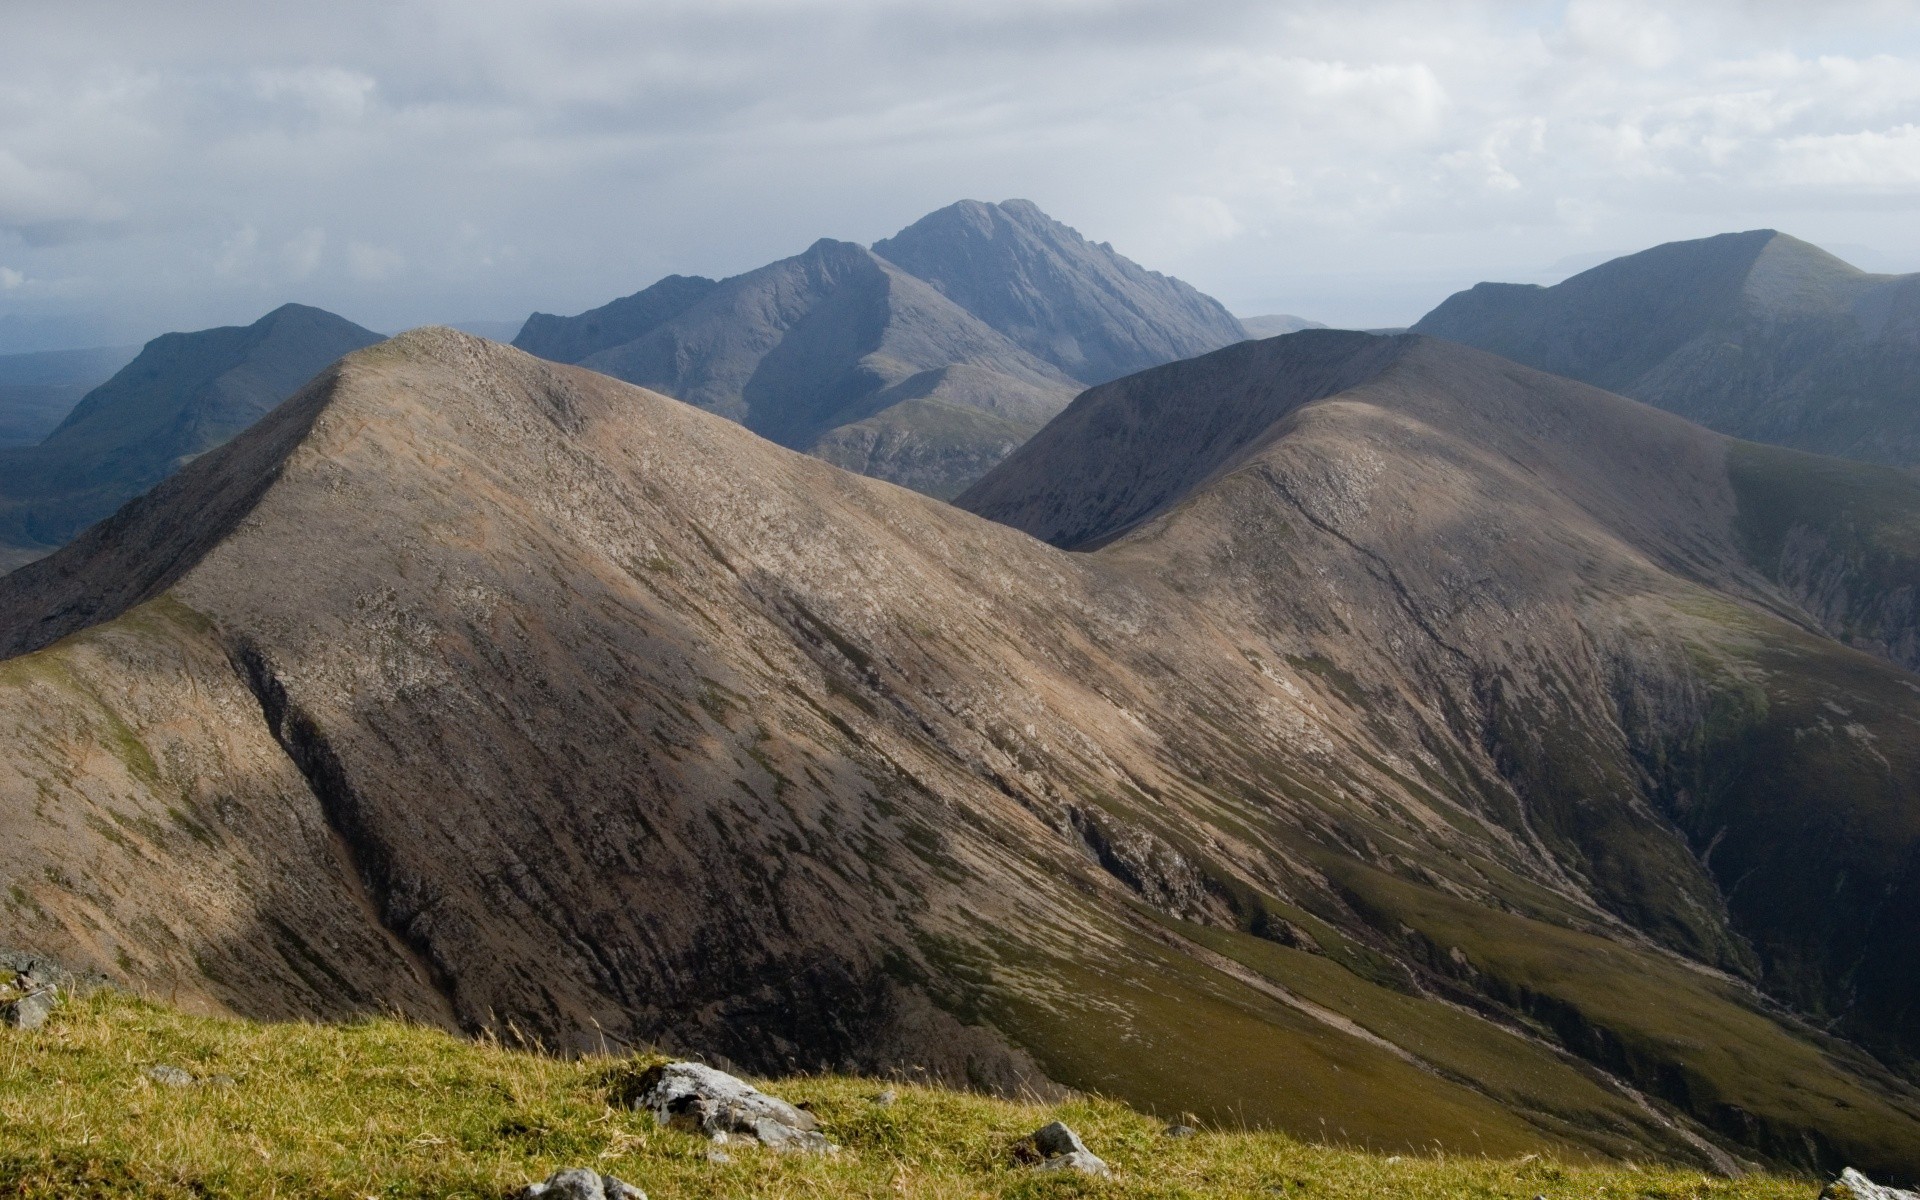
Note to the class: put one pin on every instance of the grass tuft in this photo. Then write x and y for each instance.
(385, 1109)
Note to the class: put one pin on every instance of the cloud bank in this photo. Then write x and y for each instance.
(170, 165)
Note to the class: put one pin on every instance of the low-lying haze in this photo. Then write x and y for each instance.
(175, 165)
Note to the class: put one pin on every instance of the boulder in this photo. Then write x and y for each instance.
(581, 1183)
(697, 1098)
(1061, 1149)
(168, 1075)
(1852, 1185)
(1179, 1131)
(30, 1010)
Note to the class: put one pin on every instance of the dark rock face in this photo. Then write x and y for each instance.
(1756, 334)
(183, 395)
(570, 339)
(1396, 761)
(1077, 304)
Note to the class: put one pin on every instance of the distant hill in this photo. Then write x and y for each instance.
(38, 390)
(184, 394)
(1755, 334)
(1440, 756)
(1276, 324)
(923, 361)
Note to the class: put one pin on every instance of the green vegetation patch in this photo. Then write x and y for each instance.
(385, 1109)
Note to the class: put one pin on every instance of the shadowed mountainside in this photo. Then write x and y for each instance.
(184, 394)
(1384, 783)
(38, 390)
(1756, 334)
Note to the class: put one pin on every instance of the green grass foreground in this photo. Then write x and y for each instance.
(384, 1109)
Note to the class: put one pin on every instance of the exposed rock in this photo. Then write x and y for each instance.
(168, 1075)
(1852, 1185)
(581, 1183)
(1179, 1131)
(886, 1098)
(31, 1009)
(1061, 1149)
(699, 1099)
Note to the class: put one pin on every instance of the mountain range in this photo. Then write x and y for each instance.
(923, 361)
(1367, 736)
(1755, 334)
(182, 395)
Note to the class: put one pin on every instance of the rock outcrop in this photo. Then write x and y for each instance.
(718, 1106)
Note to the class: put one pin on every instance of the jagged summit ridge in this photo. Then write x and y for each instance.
(1080, 305)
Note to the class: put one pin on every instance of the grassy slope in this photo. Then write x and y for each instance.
(386, 1109)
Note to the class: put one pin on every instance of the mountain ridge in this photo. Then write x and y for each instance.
(182, 395)
(1754, 334)
(728, 748)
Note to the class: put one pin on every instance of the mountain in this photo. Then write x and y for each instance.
(570, 339)
(1434, 757)
(1275, 324)
(835, 352)
(923, 361)
(182, 395)
(1755, 334)
(1076, 304)
(37, 390)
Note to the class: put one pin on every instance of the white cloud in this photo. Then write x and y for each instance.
(10, 279)
(1351, 160)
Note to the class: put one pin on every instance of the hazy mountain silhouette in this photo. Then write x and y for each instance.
(1755, 334)
(1276, 324)
(184, 394)
(38, 390)
(1440, 750)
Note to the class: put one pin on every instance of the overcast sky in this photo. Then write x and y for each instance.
(175, 165)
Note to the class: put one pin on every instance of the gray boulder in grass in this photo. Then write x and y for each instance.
(699, 1099)
(1062, 1150)
(580, 1183)
(31, 1010)
(1852, 1185)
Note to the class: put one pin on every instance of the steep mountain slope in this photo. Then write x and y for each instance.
(184, 394)
(1755, 334)
(837, 352)
(570, 339)
(1076, 304)
(38, 390)
(1334, 796)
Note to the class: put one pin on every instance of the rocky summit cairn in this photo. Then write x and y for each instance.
(1060, 1149)
(581, 1183)
(699, 1099)
(1852, 1185)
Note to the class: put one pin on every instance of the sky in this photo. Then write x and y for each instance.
(168, 165)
